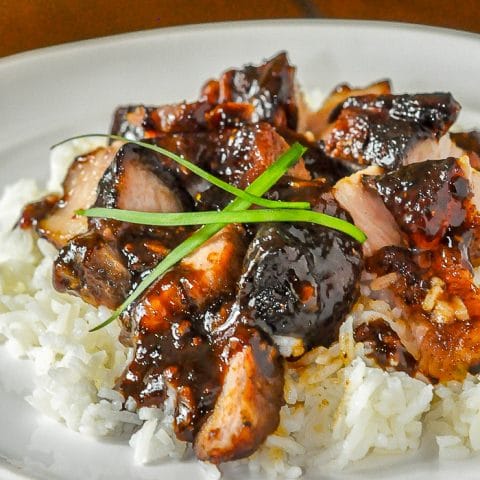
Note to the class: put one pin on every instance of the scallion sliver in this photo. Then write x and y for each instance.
(212, 217)
(258, 187)
(237, 192)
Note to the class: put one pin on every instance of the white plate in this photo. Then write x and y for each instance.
(54, 93)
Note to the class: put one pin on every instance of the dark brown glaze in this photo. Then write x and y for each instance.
(239, 156)
(317, 162)
(383, 129)
(470, 143)
(385, 346)
(54, 217)
(94, 269)
(301, 280)
(243, 153)
(426, 199)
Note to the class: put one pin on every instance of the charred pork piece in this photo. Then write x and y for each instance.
(239, 156)
(172, 325)
(116, 254)
(426, 199)
(264, 93)
(317, 122)
(54, 217)
(368, 211)
(436, 205)
(301, 280)
(137, 121)
(138, 180)
(269, 87)
(246, 152)
(248, 407)
(392, 130)
(469, 142)
(189, 341)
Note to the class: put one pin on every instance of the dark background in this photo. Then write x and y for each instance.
(28, 24)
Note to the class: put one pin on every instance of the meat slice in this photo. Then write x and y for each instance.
(248, 407)
(104, 263)
(173, 324)
(317, 122)
(368, 211)
(54, 217)
(138, 121)
(269, 87)
(138, 179)
(239, 156)
(392, 130)
(435, 204)
(301, 280)
(426, 199)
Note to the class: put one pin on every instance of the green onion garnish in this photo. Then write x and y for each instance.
(244, 194)
(258, 187)
(212, 217)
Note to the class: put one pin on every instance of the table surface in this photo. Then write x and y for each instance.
(29, 24)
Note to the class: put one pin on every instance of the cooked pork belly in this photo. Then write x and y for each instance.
(301, 280)
(435, 205)
(317, 122)
(248, 408)
(426, 199)
(368, 211)
(269, 87)
(114, 254)
(54, 218)
(391, 130)
(172, 327)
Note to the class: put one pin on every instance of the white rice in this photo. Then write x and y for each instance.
(339, 407)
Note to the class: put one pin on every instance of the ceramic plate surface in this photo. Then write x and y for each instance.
(51, 94)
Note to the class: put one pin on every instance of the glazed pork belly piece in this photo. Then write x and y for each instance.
(252, 94)
(430, 274)
(301, 280)
(368, 211)
(54, 217)
(102, 264)
(317, 122)
(392, 130)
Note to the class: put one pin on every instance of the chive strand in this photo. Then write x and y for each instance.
(212, 217)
